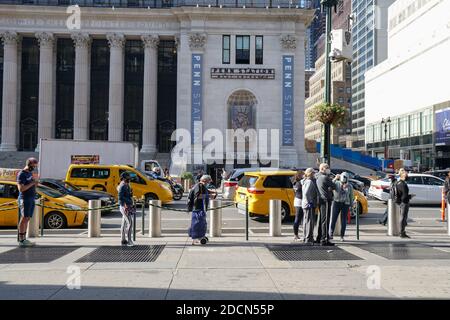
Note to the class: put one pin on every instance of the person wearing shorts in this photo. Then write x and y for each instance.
(27, 194)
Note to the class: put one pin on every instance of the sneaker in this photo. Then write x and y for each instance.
(26, 244)
(130, 244)
(327, 244)
(124, 242)
(296, 238)
(342, 239)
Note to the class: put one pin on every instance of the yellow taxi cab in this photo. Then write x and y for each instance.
(55, 217)
(261, 187)
(107, 178)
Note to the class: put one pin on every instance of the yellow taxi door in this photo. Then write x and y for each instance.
(8, 194)
(276, 188)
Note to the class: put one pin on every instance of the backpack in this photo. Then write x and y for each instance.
(394, 192)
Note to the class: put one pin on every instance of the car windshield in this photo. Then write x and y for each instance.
(70, 186)
(52, 193)
(143, 173)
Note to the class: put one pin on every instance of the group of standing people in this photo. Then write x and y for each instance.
(330, 198)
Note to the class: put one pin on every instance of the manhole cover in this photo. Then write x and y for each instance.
(139, 253)
(404, 251)
(38, 254)
(310, 253)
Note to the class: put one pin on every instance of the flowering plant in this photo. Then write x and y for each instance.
(327, 113)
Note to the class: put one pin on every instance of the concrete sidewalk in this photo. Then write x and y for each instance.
(229, 268)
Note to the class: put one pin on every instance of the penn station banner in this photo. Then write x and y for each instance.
(288, 101)
(442, 125)
(196, 97)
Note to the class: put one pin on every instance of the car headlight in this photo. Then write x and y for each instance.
(72, 206)
(105, 199)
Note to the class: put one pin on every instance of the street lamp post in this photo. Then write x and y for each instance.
(326, 128)
(386, 122)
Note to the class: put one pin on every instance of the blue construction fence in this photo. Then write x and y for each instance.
(358, 158)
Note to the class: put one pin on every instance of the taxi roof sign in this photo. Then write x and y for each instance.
(8, 174)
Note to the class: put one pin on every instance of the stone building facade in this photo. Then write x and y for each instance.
(132, 74)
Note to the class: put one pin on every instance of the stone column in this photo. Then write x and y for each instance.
(82, 42)
(116, 86)
(149, 131)
(10, 78)
(46, 77)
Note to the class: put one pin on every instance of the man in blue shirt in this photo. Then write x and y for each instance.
(27, 194)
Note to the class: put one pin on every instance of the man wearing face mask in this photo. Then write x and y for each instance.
(402, 200)
(343, 200)
(27, 194)
(326, 187)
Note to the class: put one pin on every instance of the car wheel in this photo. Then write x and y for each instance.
(150, 196)
(285, 212)
(55, 220)
(177, 195)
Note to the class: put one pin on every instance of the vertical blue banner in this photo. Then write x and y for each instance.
(196, 97)
(288, 101)
(442, 128)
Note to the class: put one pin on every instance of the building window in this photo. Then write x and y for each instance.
(259, 48)
(133, 91)
(99, 99)
(226, 49)
(242, 49)
(65, 79)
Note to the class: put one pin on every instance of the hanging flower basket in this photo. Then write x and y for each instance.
(327, 113)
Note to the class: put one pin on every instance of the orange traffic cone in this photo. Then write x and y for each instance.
(443, 205)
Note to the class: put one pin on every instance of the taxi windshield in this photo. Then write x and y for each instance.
(52, 193)
(70, 186)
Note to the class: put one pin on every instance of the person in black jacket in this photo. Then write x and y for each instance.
(326, 187)
(402, 200)
(198, 198)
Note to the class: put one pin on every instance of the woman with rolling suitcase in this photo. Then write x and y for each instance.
(198, 200)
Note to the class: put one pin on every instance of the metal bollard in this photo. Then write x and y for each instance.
(338, 226)
(94, 219)
(275, 218)
(215, 229)
(154, 219)
(393, 216)
(33, 224)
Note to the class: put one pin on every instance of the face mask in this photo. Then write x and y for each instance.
(328, 171)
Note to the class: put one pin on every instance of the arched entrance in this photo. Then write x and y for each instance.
(241, 115)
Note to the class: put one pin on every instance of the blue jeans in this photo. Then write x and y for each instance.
(339, 208)
(298, 219)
